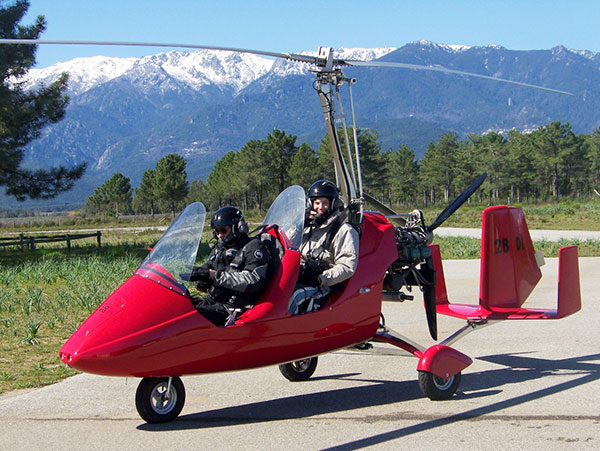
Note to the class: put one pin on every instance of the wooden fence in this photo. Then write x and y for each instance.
(30, 241)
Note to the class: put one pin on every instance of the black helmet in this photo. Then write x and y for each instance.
(232, 217)
(325, 188)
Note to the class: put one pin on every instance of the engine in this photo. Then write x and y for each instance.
(414, 266)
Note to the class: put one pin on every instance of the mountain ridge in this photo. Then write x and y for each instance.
(126, 113)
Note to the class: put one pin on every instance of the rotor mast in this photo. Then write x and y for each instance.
(329, 79)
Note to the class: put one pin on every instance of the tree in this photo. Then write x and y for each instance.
(559, 151)
(304, 168)
(221, 183)
(403, 175)
(370, 158)
(281, 148)
(438, 167)
(144, 200)
(490, 153)
(196, 193)
(254, 173)
(113, 195)
(23, 114)
(170, 181)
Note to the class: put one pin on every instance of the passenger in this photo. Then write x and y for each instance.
(329, 249)
(236, 271)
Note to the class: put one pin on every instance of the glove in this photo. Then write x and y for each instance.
(309, 278)
(202, 285)
(199, 273)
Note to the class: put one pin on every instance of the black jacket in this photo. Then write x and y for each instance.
(241, 272)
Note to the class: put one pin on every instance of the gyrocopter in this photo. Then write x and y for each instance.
(148, 327)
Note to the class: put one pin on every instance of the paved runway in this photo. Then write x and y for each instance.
(536, 235)
(533, 385)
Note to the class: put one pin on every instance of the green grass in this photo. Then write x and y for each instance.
(554, 216)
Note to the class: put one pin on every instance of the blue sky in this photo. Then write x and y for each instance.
(297, 25)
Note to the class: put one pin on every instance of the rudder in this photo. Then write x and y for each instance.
(509, 271)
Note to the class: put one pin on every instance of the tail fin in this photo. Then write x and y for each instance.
(569, 291)
(509, 271)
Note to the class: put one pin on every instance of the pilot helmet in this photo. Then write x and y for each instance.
(325, 188)
(233, 217)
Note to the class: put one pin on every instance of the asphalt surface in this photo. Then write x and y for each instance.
(533, 385)
(536, 235)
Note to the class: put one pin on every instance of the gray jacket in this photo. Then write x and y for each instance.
(342, 256)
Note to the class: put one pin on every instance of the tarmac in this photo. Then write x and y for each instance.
(532, 385)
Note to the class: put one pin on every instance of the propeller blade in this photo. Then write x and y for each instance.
(456, 203)
(387, 211)
(288, 56)
(429, 298)
(446, 71)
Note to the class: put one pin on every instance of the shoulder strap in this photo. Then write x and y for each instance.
(335, 226)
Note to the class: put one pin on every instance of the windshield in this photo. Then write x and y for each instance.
(175, 253)
(287, 211)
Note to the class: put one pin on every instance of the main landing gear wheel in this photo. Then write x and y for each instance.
(157, 401)
(300, 370)
(437, 388)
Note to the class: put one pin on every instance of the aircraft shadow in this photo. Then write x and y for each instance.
(519, 368)
(381, 392)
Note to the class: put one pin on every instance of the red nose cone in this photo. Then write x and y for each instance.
(127, 332)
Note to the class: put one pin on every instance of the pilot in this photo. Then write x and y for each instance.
(329, 249)
(236, 271)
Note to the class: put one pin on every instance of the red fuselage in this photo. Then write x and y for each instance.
(148, 326)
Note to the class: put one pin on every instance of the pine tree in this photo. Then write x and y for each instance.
(403, 174)
(438, 168)
(170, 181)
(144, 200)
(23, 114)
(304, 168)
(113, 195)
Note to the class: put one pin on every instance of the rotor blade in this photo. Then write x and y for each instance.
(288, 56)
(387, 211)
(456, 203)
(446, 71)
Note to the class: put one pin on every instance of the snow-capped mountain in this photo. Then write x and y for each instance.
(194, 69)
(127, 113)
(84, 73)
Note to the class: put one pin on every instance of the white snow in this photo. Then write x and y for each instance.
(194, 69)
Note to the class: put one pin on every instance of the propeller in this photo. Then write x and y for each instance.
(456, 203)
(429, 290)
(324, 61)
(448, 71)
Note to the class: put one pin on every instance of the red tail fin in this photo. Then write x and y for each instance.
(569, 292)
(509, 271)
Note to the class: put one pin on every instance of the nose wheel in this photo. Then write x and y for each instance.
(438, 388)
(159, 399)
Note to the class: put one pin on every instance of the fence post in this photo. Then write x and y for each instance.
(68, 243)
(99, 233)
(21, 245)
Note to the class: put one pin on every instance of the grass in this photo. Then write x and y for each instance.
(47, 293)
(554, 216)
